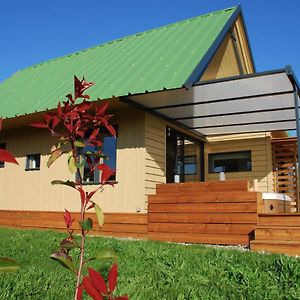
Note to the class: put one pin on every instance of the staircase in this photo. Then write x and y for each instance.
(219, 212)
(277, 233)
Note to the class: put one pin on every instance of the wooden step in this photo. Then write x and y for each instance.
(279, 220)
(278, 233)
(196, 187)
(283, 247)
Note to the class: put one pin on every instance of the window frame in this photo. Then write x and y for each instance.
(96, 171)
(27, 163)
(211, 166)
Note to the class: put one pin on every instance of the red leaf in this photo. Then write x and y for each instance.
(79, 292)
(47, 118)
(82, 194)
(59, 111)
(69, 96)
(7, 157)
(84, 106)
(1, 122)
(68, 219)
(101, 109)
(90, 289)
(80, 87)
(111, 129)
(106, 172)
(112, 277)
(94, 134)
(38, 125)
(122, 298)
(98, 281)
(55, 122)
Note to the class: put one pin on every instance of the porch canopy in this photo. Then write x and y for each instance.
(266, 101)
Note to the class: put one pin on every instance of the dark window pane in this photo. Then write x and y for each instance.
(33, 161)
(190, 165)
(230, 162)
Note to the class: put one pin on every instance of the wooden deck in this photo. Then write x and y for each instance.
(203, 212)
(210, 212)
(277, 233)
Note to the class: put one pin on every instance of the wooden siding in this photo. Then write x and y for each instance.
(155, 159)
(32, 190)
(243, 46)
(224, 62)
(208, 212)
(261, 155)
(116, 224)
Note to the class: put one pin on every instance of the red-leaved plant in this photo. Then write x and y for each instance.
(76, 126)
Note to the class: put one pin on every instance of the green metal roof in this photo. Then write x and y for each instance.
(164, 58)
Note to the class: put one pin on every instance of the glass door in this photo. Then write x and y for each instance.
(184, 158)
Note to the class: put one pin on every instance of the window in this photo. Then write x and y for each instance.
(2, 146)
(109, 149)
(230, 162)
(190, 165)
(33, 162)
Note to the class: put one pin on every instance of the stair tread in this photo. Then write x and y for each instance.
(275, 242)
(278, 227)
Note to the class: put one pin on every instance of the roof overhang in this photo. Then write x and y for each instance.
(252, 103)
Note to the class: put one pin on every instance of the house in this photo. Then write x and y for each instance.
(187, 105)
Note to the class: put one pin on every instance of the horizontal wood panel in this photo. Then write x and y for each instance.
(224, 218)
(289, 220)
(203, 207)
(220, 186)
(201, 228)
(201, 238)
(227, 197)
(115, 224)
(284, 247)
(279, 234)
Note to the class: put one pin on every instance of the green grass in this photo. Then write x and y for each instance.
(150, 270)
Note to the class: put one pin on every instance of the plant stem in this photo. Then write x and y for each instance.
(82, 214)
(81, 255)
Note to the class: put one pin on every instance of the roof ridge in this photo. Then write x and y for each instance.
(125, 38)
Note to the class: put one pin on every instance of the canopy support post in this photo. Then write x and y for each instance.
(296, 100)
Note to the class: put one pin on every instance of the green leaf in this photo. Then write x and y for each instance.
(71, 164)
(79, 144)
(80, 165)
(87, 224)
(69, 183)
(99, 214)
(66, 244)
(104, 254)
(8, 265)
(64, 260)
(54, 156)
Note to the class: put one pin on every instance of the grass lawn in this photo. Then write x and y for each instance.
(150, 270)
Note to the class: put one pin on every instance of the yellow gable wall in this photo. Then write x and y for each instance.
(225, 63)
(32, 190)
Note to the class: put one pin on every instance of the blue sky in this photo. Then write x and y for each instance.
(33, 31)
